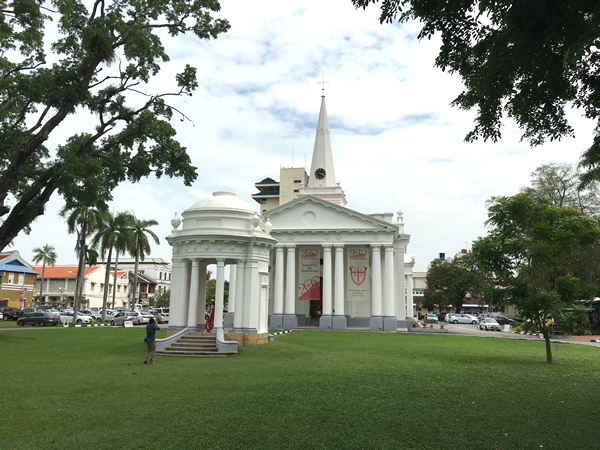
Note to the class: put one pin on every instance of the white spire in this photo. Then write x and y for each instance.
(322, 173)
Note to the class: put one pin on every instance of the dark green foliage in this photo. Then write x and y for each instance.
(525, 59)
(449, 282)
(162, 298)
(104, 51)
(531, 251)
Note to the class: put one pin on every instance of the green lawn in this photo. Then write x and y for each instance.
(87, 388)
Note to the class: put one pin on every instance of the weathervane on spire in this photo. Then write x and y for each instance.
(323, 83)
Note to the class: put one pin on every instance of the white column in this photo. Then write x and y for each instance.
(290, 285)
(232, 287)
(239, 297)
(339, 281)
(219, 294)
(388, 283)
(193, 299)
(409, 295)
(327, 281)
(279, 271)
(176, 316)
(249, 283)
(200, 318)
(376, 300)
(185, 288)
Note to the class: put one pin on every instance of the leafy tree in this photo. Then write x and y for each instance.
(112, 230)
(561, 184)
(162, 299)
(526, 59)
(139, 246)
(45, 255)
(83, 221)
(103, 52)
(211, 290)
(449, 282)
(530, 251)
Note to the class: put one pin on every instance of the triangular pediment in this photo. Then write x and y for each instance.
(315, 214)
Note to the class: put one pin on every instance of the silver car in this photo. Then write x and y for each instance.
(488, 323)
(464, 318)
(121, 316)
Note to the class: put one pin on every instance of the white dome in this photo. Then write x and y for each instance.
(222, 200)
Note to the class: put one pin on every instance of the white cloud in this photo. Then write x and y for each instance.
(397, 143)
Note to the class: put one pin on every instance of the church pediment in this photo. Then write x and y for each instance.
(315, 214)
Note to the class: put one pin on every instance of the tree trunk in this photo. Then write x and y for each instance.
(80, 275)
(42, 283)
(106, 284)
(546, 334)
(115, 280)
(135, 274)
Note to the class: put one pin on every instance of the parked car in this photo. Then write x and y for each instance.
(488, 323)
(121, 316)
(464, 318)
(431, 318)
(67, 317)
(162, 314)
(145, 316)
(502, 320)
(10, 313)
(90, 312)
(40, 318)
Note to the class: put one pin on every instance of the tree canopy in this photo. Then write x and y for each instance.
(530, 251)
(525, 59)
(449, 282)
(102, 55)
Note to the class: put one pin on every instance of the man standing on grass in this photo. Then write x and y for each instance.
(150, 340)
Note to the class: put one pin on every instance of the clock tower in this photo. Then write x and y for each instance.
(321, 178)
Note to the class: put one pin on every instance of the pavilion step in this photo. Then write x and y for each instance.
(196, 344)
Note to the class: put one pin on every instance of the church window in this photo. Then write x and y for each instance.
(11, 278)
(21, 279)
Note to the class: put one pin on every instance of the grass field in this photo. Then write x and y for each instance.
(87, 388)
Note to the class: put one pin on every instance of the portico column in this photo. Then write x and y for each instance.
(389, 316)
(289, 318)
(200, 318)
(219, 294)
(409, 300)
(239, 297)
(326, 320)
(177, 320)
(339, 319)
(193, 299)
(228, 320)
(376, 322)
(277, 317)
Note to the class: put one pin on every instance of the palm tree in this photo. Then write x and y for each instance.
(45, 255)
(113, 231)
(139, 246)
(81, 220)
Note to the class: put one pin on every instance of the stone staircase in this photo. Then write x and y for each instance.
(196, 345)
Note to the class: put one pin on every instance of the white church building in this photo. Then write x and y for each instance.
(305, 258)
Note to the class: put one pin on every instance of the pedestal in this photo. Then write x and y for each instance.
(276, 321)
(376, 323)
(326, 322)
(228, 320)
(290, 321)
(390, 323)
(339, 322)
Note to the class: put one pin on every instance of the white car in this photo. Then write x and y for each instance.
(488, 323)
(463, 318)
(67, 317)
(162, 314)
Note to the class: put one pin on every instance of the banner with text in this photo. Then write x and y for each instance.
(309, 277)
(359, 285)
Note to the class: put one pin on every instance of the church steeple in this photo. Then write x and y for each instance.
(321, 179)
(322, 173)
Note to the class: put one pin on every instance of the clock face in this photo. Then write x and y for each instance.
(320, 173)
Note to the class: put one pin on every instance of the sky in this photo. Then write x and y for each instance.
(397, 143)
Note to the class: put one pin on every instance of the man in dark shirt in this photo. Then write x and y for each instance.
(151, 329)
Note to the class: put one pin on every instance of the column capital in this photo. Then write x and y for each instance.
(221, 262)
(339, 246)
